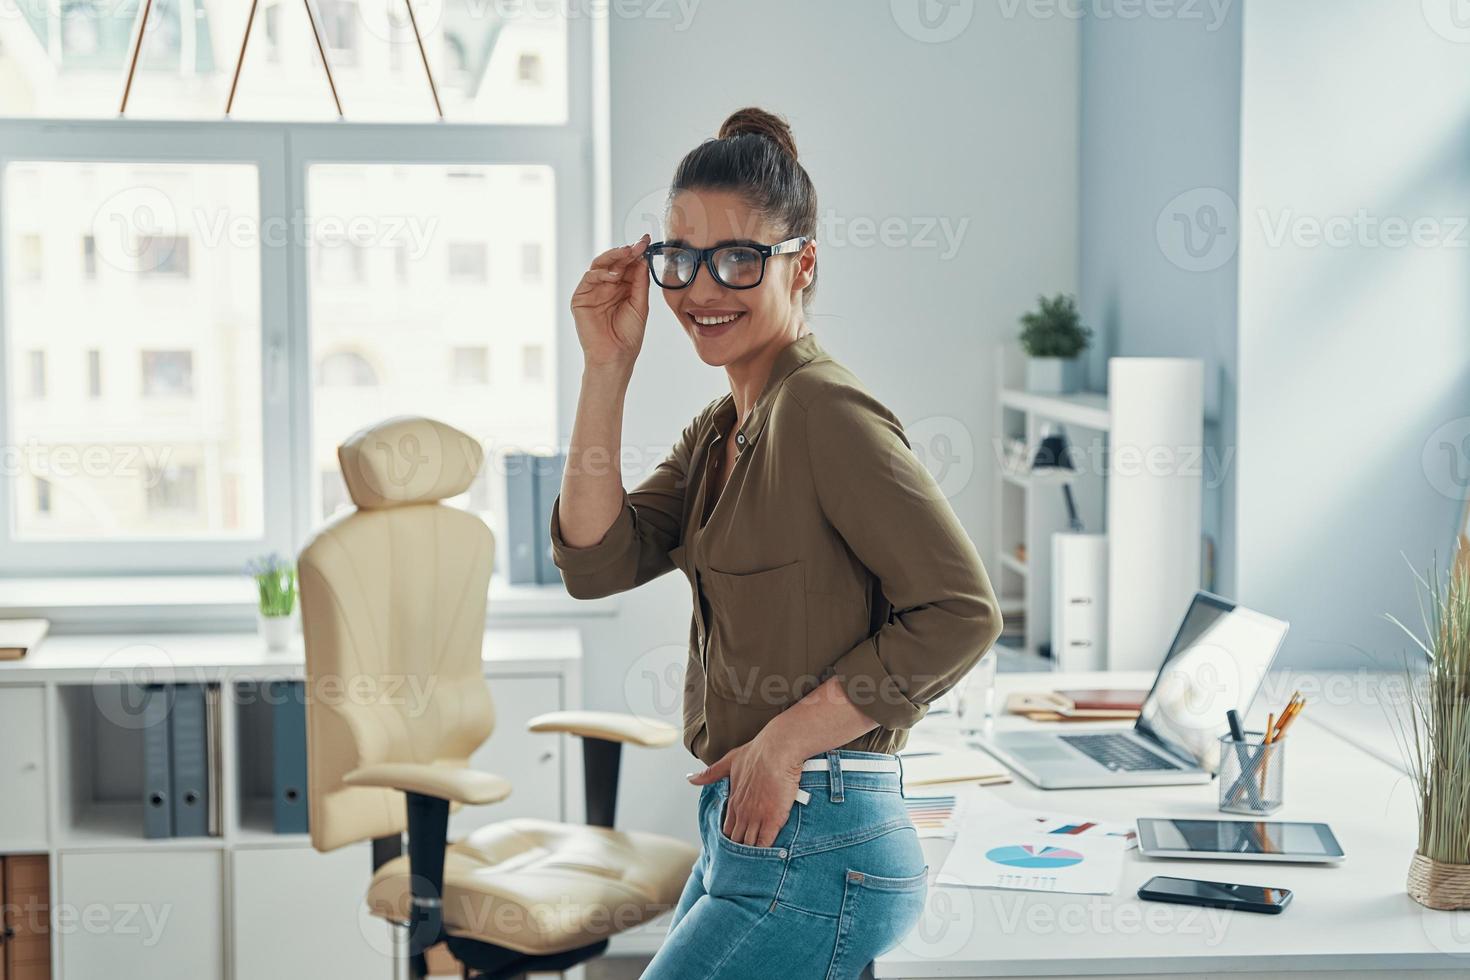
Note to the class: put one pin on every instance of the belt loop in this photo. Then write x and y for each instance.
(834, 775)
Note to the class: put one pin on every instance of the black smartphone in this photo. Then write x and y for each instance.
(1215, 894)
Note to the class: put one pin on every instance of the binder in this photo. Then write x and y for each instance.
(216, 763)
(548, 471)
(520, 517)
(158, 820)
(189, 744)
(288, 751)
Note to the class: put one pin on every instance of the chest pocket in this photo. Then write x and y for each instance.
(757, 649)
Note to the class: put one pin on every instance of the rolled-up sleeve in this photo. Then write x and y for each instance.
(635, 548)
(888, 509)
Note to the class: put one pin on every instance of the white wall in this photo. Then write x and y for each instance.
(1160, 118)
(1354, 361)
(976, 134)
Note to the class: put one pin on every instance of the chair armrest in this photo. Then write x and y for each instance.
(453, 783)
(608, 725)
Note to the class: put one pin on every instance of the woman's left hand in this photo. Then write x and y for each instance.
(763, 784)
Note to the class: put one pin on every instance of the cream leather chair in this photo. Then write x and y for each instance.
(393, 601)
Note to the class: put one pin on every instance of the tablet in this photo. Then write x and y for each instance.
(1238, 840)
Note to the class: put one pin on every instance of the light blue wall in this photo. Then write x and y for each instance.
(1160, 118)
(1354, 359)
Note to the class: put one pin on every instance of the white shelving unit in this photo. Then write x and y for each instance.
(250, 902)
(1151, 514)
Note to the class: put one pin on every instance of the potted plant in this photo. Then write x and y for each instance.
(275, 580)
(1054, 338)
(1434, 736)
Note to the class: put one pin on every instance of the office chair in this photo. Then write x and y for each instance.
(395, 592)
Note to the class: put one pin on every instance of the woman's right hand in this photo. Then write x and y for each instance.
(610, 306)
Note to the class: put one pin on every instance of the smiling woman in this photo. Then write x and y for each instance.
(834, 593)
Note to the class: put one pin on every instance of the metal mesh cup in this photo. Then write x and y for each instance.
(1252, 774)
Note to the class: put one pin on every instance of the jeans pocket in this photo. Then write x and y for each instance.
(877, 912)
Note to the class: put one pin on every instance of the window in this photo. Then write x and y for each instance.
(531, 357)
(31, 258)
(94, 373)
(168, 373)
(172, 492)
(195, 317)
(443, 371)
(528, 68)
(36, 359)
(497, 62)
(471, 366)
(468, 262)
(163, 256)
(345, 369)
(531, 261)
(339, 30)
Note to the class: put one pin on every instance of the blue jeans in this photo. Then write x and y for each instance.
(843, 882)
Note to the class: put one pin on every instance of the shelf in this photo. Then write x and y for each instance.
(257, 826)
(112, 826)
(1088, 409)
(1014, 564)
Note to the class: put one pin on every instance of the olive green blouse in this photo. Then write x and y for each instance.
(830, 552)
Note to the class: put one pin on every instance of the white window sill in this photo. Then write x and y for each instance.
(210, 602)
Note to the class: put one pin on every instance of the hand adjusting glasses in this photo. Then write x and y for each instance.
(735, 265)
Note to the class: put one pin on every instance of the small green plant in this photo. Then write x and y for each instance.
(1054, 329)
(1434, 728)
(276, 579)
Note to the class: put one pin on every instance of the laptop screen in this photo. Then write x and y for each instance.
(1217, 662)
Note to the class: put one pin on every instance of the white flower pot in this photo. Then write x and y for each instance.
(276, 631)
(1053, 375)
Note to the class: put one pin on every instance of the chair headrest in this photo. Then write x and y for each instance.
(408, 460)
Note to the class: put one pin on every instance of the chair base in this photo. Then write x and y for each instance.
(484, 961)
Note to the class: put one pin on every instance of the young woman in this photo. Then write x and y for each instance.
(834, 592)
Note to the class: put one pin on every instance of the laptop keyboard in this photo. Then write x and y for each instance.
(1118, 752)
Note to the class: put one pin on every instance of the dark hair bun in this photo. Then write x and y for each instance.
(760, 123)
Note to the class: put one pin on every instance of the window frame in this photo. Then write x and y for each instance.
(282, 153)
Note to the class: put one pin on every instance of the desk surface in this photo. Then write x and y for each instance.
(165, 657)
(1350, 917)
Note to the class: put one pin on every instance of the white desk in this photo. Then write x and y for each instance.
(1353, 919)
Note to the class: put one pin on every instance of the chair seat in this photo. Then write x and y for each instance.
(540, 887)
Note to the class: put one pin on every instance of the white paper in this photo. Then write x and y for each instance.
(1011, 855)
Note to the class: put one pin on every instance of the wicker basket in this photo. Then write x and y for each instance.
(1437, 885)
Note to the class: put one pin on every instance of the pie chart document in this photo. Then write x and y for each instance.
(991, 854)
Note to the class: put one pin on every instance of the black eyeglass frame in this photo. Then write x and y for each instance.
(706, 257)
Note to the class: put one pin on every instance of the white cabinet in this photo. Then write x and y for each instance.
(297, 913)
(23, 769)
(150, 912)
(532, 762)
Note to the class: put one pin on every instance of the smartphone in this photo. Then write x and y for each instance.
(1215, 894)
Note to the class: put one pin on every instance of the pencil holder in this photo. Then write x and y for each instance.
(1252, 774)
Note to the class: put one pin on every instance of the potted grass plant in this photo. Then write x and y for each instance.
(1053, 337)
(1434, 736)
(275, 581)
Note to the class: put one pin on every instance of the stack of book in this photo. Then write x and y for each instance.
(1087, 705)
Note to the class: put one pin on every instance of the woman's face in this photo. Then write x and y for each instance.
(729, 325)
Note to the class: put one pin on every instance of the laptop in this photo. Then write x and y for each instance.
(1218, 660)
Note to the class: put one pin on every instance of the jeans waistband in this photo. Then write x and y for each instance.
(837, 771)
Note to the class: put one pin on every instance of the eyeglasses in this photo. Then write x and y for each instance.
(741, 265)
